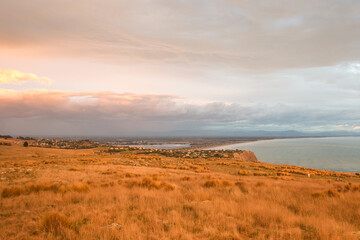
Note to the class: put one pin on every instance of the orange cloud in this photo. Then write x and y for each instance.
(9, 76)
(40, 102)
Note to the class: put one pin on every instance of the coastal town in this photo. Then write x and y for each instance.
(51, 143)
(109, 148)
(64, 144)
(178, 153)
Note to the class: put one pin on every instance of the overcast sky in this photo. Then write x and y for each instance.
(118, 68)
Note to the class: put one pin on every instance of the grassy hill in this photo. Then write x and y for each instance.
(136, 194)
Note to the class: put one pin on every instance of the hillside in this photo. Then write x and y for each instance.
(142, 194)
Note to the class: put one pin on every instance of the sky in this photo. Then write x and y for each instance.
(144, 67)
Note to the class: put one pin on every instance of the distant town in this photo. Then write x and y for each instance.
(111, 148)
(52, 143)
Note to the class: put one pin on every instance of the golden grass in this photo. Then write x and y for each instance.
(326, 193)
(55, 223)
(217, 183)
(150, 184)
(38, 187)
(125, 196)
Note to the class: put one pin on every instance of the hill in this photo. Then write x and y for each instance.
(133, 193)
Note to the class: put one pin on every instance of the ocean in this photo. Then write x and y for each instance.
(326, 153)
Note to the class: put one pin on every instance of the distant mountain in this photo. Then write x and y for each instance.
(261, 133)
(293, 133)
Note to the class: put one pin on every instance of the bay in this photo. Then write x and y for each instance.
(327, 153)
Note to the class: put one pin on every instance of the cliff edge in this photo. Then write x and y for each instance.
(246, 156)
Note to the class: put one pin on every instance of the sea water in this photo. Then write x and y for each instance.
(327, 153)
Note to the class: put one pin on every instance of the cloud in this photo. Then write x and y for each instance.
(9, 76)
(110, 113)
(356, 128)
(105, 105)
(253, 36)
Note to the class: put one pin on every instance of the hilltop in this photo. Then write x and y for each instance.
(132, 193)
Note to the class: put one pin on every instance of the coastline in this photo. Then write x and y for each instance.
(337, 154)
(270, 139)
(227, 144)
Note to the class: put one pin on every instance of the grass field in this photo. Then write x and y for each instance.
(80, 194)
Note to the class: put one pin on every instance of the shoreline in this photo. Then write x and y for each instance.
(227, 144)
(314, 154)
(196, 146)
(271, 139)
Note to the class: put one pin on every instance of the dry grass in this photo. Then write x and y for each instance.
(150, 184)
(326, 193)
(57, 187)
(80, 195)
(55, 223)
(217, 183)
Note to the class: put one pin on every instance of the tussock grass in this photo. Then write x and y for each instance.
(242, 186)
(131, 175)
(55, 223)
(150, 184)
(260, 184)
(217, 183)
(244, 173)
(186, 178)
(41, 187)
(326, 193)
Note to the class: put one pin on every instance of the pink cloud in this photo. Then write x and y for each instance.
(38, 102)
